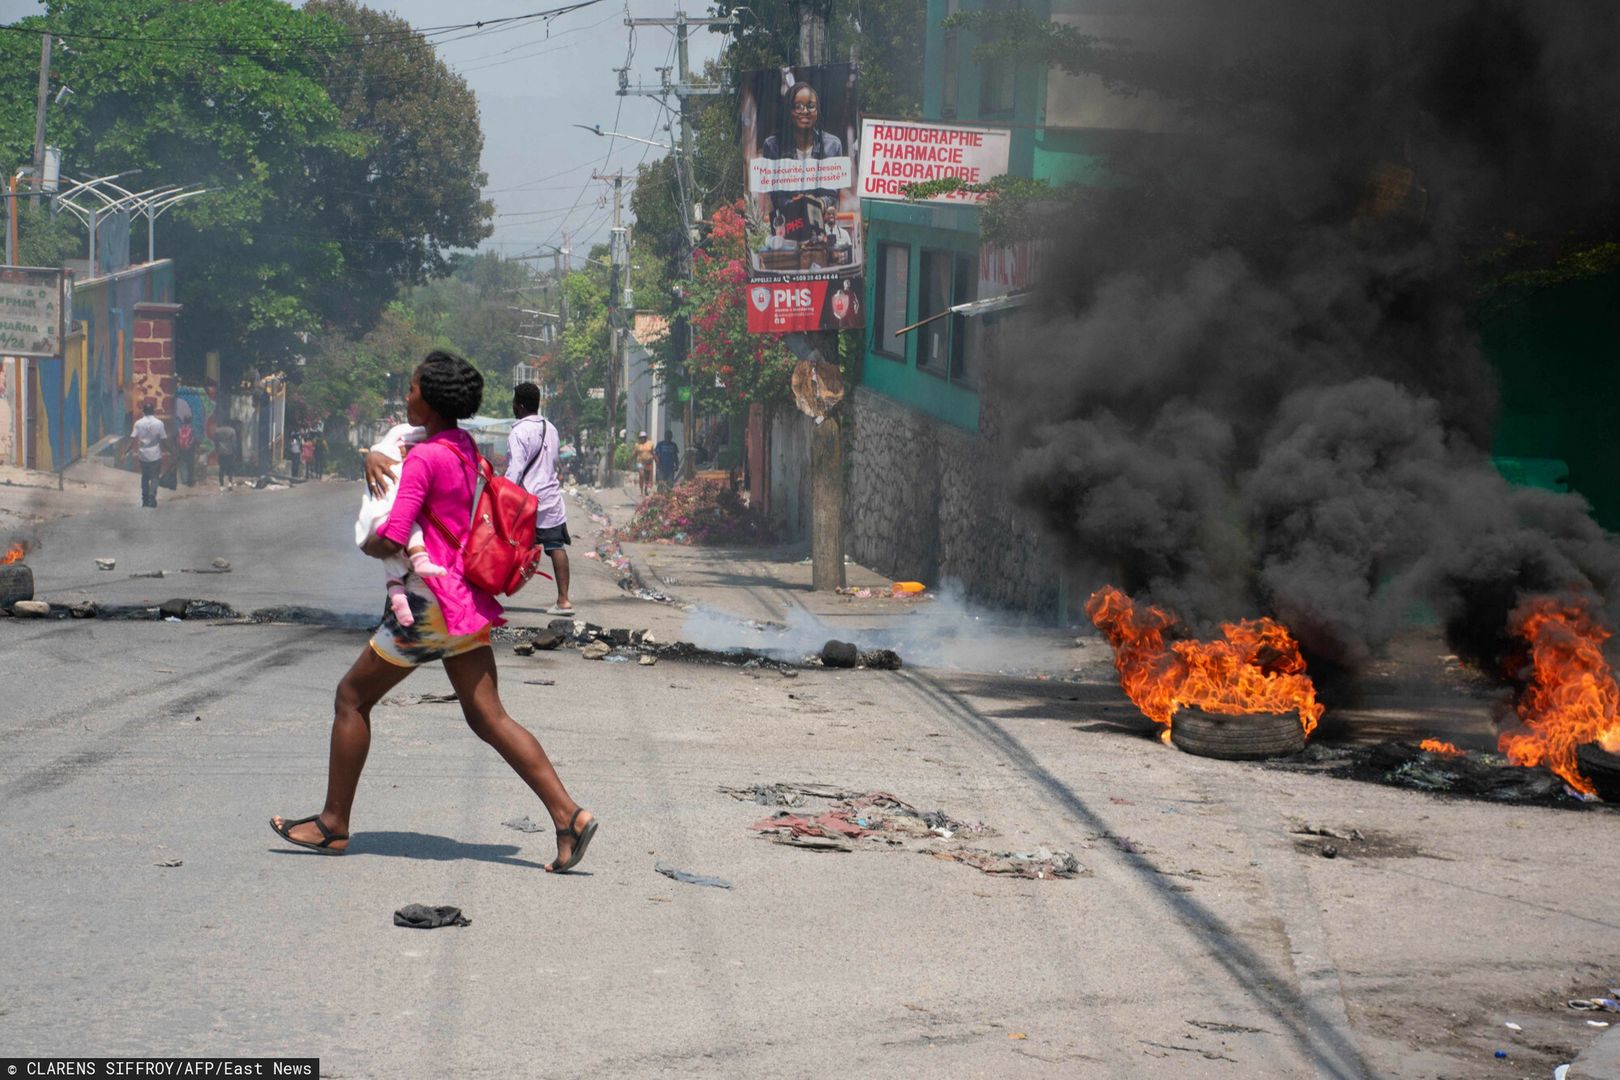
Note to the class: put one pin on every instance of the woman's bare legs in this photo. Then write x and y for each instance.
(366, 682)
(473, 676)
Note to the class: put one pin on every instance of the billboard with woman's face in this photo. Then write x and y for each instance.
(800, 126)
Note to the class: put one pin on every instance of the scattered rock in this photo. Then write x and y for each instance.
(106, 564)
(523, 648)
(148, 573)
(789, 673)
(173, 609)
(406, 700)
(221, 564)
(84, 609)
(546, 640)
(881, 660)
(539, 682)
(619, 637)
(596, 650)
(30, 609)
(647, 660)
(840, 654)
(561, 626)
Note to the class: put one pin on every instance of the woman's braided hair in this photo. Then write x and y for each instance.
(451, 386)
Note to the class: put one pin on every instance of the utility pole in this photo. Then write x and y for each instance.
(826, 443)
(616, 334)
(39, 118)
(691, 212)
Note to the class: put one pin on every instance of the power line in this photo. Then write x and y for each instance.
(321, 42)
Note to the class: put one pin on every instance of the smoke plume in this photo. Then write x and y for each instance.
(1255, 383)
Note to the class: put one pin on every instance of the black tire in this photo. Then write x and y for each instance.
(1237, 738)
(1602, 768)
(16, 583)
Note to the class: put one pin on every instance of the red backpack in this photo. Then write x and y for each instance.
(500, 555)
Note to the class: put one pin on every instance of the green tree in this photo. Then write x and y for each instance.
(322, 208)
(414, 190)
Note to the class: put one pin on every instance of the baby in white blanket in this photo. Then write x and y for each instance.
(374, 512)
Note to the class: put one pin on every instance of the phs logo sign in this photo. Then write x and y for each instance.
(761, 297)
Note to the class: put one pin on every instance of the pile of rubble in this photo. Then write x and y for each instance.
(619, 645)
(849, 820)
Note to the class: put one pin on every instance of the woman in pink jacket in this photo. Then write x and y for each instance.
(452, 622)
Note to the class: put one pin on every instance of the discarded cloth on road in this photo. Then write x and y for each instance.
(1040, 863)
(423, 917)
(1600, 1004)
(686, 877)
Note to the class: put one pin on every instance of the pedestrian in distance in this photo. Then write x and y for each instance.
(295, 455)
(147, 439)
(307, 453)
(645, 462)
(534, 462)
(452, 621)
(320, 456)
(668, 456)
(185, 440)
(228, 447)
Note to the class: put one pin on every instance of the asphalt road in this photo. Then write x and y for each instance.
(1205, 939)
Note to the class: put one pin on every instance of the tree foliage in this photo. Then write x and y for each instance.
(321, 205)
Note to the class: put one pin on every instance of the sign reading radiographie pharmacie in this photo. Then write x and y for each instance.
(895, 153)
(30, 311)
(805, 261)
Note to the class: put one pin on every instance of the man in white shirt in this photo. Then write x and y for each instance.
(147, 441)
(532, 462)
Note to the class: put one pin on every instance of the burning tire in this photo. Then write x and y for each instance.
(1602, 768)
(16, 583)
(1237, 738)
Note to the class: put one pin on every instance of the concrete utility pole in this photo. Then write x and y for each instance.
(691, 212)
(39, 118)
(616, 330)
(826, 443)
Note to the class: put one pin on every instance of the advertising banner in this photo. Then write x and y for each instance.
(805, 256)
(895, 153)
(30, 311)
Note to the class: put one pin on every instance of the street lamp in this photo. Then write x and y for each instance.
(596, 129)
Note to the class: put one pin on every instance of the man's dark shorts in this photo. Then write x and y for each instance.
(553, 538)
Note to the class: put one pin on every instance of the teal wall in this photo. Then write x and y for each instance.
(1557, 358)
(951, 228)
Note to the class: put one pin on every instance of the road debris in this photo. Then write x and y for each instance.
(148, 574)
(596, 650)
(1040, 864)
(539, 682)
(647, 660)
(1596, 1004)
(84, 609)
(686, 877)
(525, 824)
(170, 863)
(424, 917)
(1406, 764)
(406, 700)
(30, 609)
(840, 654)
(106, 564)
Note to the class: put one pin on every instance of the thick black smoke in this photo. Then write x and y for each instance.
(1254, 383)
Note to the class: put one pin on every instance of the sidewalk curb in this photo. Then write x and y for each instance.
(1600, 1061)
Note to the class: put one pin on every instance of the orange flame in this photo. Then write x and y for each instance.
(1439, 746)
(1255, 667)
(1571, 698)
(14, 553)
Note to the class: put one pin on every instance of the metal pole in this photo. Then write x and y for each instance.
(689, 417)
(39, 117)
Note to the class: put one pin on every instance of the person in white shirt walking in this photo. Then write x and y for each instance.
(147, 441)
(532, 462)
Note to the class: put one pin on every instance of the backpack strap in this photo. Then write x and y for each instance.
(540, 450)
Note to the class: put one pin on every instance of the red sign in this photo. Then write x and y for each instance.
(785, 307)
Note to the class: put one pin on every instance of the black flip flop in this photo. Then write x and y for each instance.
(582, 840)
(324, 847)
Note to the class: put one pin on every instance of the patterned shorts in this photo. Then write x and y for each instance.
(427, 639)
